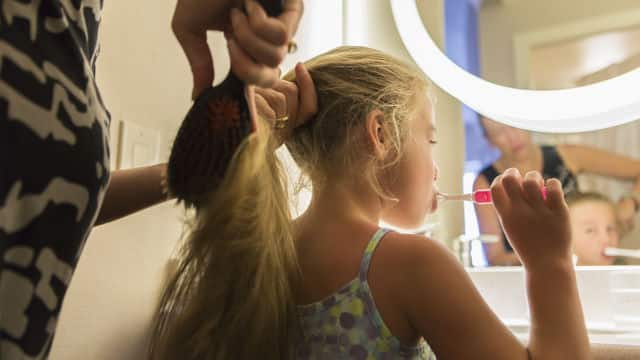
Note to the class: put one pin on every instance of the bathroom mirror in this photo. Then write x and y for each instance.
(518, 36)
(539, 65)
(550, 45)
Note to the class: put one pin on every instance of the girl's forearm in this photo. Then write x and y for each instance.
(558, 328)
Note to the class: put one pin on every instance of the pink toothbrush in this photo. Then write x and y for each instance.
(480, 197)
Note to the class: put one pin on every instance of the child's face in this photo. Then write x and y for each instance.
(412, 179)
(593, 225)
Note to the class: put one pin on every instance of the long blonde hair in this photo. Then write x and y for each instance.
(231, 296)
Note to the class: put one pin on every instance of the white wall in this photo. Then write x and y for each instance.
(562, 64)
(320, 30)
(498, 24)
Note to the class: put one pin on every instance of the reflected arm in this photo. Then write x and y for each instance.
(592, 160)
(489, 224)
(614, 352)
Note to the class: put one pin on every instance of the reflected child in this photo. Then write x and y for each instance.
(594, 227)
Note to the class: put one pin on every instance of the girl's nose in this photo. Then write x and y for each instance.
(436, 171)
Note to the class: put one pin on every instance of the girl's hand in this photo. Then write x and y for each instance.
(297, 102)
(538, 229)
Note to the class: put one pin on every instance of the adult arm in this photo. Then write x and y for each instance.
(132, 190)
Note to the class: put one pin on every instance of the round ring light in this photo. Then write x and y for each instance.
(592, 107)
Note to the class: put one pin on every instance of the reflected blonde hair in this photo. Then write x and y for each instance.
(231, 296)
(578, 197)
(575, 198)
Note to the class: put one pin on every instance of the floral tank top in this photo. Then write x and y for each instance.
(347, 324)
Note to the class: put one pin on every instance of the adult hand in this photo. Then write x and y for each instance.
(626, 209)
(257, 43)
(296, 101)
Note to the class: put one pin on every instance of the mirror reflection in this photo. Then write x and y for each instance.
(545, 45)
(552, 45)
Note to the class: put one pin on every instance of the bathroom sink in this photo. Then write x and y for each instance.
(610, 297)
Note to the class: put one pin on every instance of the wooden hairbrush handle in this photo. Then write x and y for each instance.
(220, 119)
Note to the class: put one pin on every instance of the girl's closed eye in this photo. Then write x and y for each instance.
(433, 142)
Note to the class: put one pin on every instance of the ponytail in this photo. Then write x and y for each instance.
(231, 296)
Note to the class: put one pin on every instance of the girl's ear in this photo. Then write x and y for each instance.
(375, 133)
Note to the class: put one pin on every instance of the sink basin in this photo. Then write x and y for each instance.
(610, 297)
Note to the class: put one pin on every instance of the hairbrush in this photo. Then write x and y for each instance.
(219, 120)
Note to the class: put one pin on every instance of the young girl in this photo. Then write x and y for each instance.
(594, 227)
(254, 284)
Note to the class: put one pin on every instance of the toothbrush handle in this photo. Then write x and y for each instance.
(483, 196)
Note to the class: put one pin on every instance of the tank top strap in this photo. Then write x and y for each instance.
(368, 253)
(550, 160)
(489, 173)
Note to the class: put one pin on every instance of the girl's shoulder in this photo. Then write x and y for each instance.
(421, 278)
(410, 253)
(414, 245)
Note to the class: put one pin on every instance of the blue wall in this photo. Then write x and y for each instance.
(462, 46)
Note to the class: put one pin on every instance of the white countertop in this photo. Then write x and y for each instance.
(610, 298)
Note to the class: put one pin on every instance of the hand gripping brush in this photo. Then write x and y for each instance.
(220, 119)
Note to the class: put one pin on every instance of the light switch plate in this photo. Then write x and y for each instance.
(139, 146)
